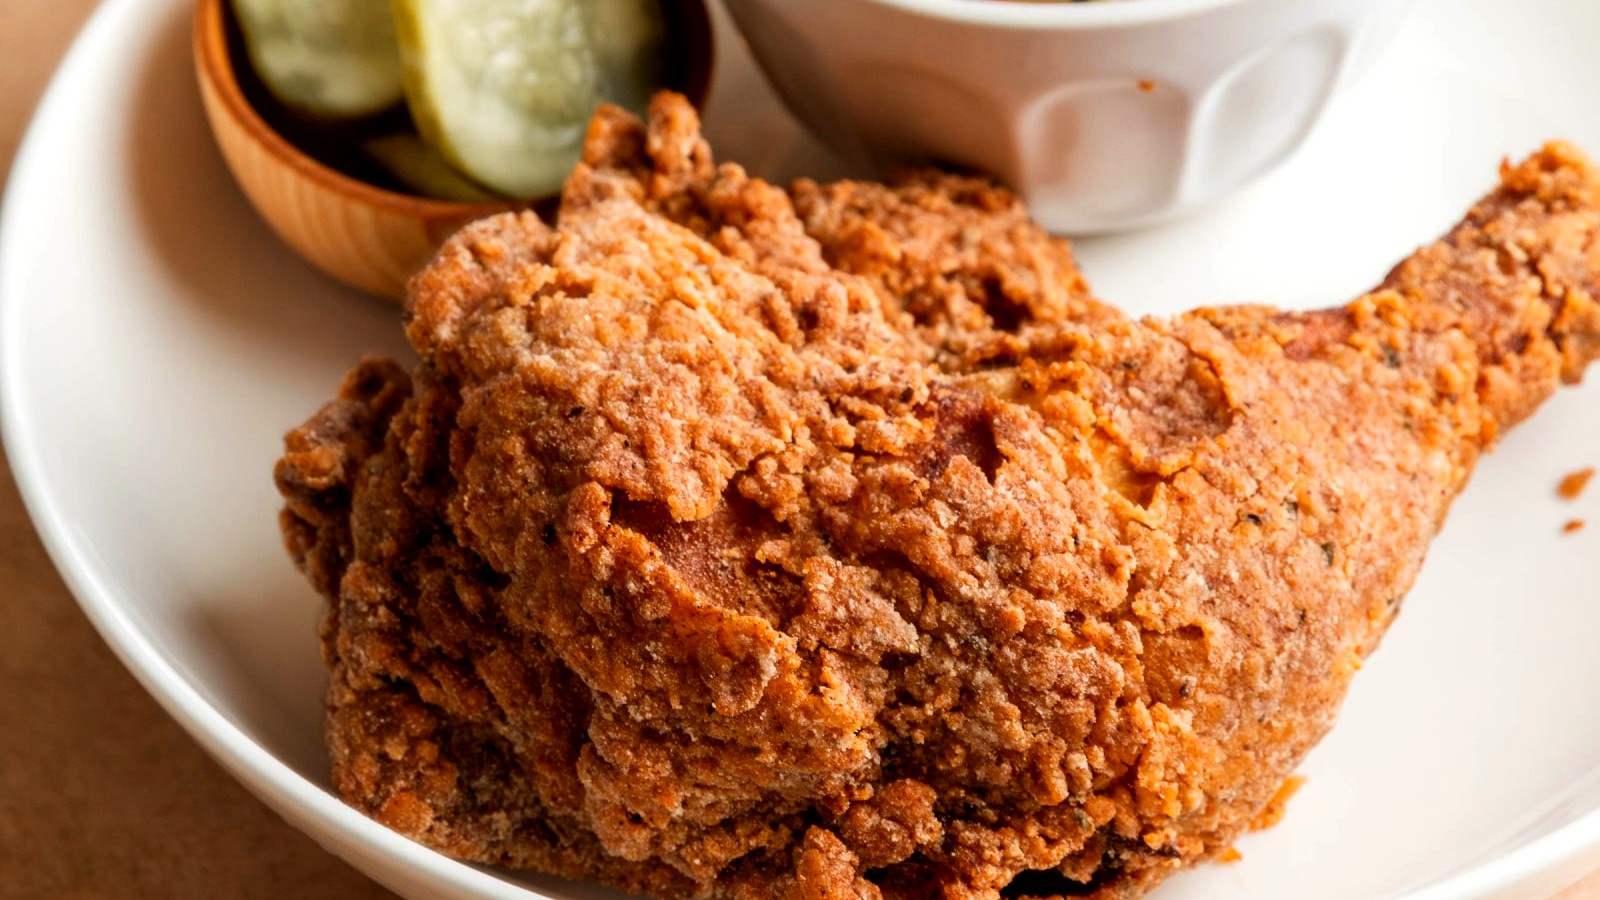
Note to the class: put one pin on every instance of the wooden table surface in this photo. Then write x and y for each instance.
(101, 795)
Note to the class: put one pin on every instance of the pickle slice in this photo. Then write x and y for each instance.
(327, 59)
(504, 89)
(408, 159)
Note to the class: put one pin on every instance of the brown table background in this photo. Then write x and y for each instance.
(101, 795)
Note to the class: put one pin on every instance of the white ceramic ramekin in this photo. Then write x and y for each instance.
(1105, 116)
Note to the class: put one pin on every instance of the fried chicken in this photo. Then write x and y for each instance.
(737, 542)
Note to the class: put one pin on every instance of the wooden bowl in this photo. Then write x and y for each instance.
(361, 234)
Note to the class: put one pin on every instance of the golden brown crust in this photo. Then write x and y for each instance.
(957, 254)
(740, 543)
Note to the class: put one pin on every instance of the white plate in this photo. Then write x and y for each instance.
(157, 342)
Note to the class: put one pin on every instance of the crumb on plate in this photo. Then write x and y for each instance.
(1572, 486)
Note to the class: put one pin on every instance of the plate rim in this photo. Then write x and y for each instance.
(305, 805)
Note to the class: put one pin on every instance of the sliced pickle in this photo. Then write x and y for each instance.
(504, 89)
(408, 159)
(327, 59)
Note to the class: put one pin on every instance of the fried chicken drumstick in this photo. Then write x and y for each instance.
(737, 542)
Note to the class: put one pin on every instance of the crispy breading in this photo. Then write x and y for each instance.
(1575, 483)
(743, 543)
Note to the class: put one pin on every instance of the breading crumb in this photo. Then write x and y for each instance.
(1572, 486)
(1573, 527)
